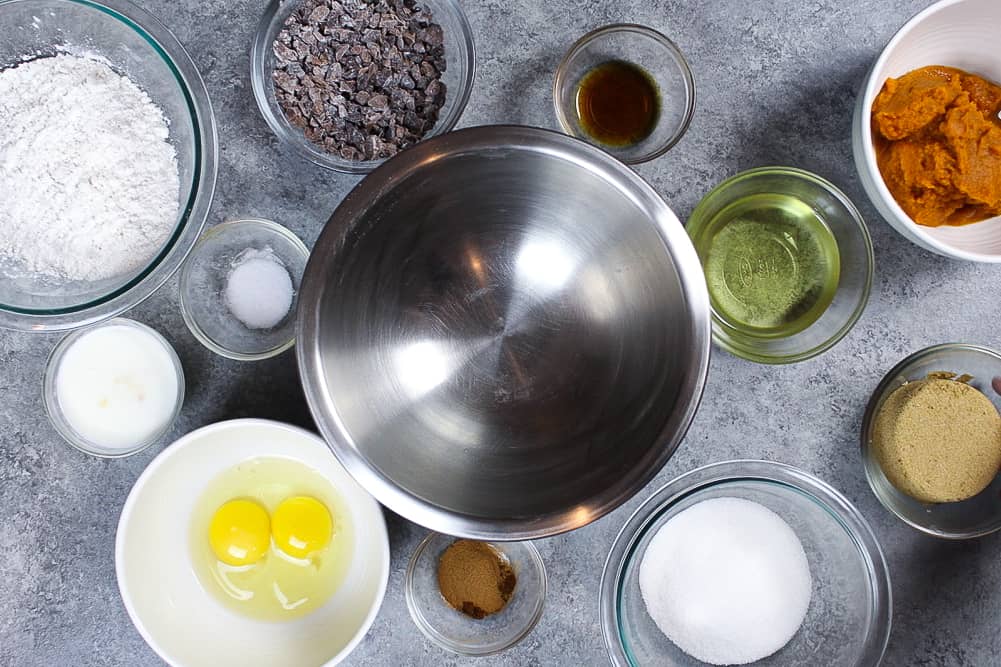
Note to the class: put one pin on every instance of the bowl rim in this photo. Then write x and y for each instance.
(750, 353)
(51, 398)
(691, 91)
(442, 640)
(549, 143)
(289, 136)
(192, 214)
(192, 439)
(782, 475)
(188, 316)
(879, 394)
(865, 152)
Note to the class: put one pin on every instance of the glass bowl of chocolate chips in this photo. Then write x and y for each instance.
(347, 84)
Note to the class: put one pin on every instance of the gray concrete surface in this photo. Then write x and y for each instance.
(777, 81)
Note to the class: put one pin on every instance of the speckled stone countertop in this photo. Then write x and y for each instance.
(777, 81)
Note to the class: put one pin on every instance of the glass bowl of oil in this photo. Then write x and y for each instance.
(627, 89)
(788, 262)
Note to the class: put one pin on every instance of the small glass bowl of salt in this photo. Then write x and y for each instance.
(239, 288)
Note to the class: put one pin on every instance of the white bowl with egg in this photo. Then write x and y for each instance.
(182, 621)
(957, 33)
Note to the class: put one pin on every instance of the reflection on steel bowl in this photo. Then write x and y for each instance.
(503, 333)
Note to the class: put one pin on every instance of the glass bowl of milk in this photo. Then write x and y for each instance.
(113, 389)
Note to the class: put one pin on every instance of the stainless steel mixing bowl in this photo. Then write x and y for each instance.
(503, 333)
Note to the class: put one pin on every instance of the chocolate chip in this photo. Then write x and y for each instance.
(362, 78)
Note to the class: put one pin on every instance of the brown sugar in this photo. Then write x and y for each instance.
(475, 578)
(938, 440)
(938, 145)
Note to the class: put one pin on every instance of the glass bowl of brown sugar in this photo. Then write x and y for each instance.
(977, 515)
(475, 598)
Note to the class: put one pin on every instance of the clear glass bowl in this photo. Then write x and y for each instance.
(58, 419)
(460, 58)
(454, 631)
(974, 517)
(203, 284)
(653, 52)
(848, 621)
(136, 44)
(854, 249)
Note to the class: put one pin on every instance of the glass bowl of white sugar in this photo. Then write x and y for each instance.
(240, 286)
(108, 160)
(746, 562)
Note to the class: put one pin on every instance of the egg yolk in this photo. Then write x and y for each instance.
(240, 532)
(301, 526)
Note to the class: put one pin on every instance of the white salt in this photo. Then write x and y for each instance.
(727, 581)
(259, 289)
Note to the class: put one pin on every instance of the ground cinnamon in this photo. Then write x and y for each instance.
(475, 578)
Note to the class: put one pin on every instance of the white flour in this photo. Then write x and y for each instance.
(89, 185)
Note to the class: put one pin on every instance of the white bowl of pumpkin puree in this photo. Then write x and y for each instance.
(927, 130)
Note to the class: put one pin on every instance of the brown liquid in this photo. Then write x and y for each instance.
(617, 103)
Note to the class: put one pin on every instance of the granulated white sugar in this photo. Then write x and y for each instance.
(727, 581)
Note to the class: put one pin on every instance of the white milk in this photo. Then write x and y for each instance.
(117, 386)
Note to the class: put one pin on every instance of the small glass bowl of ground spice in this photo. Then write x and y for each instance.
(239, 288)
(788, 263)
(474, 597)
(627, 89)
(347, 84)
(931, 441)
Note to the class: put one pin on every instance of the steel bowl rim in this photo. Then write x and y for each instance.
(405, 164)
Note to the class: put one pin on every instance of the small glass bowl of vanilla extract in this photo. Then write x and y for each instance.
(788, 263)
(627, 89)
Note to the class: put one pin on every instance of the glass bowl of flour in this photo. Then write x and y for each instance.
(746, 562)
(107, 160)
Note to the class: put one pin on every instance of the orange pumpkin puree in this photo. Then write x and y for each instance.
(938, 145)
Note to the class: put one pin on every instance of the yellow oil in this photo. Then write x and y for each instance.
(772, 264)
(278, 587)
